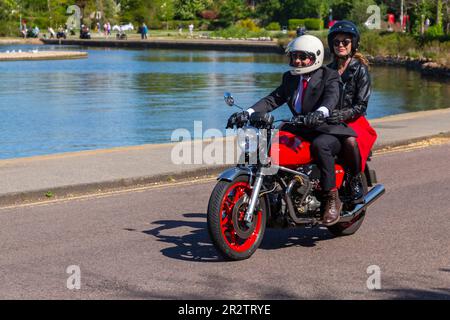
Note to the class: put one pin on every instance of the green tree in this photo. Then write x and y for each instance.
(341, 9)
(233, 10)
(6, 9)
(268, 10)
(165, 11)
(188, 9)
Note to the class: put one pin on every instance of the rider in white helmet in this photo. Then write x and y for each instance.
(305, 46)
(311, 90)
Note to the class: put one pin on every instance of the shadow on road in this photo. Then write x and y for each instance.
(192, 242)
(284, 238)
(193, 245)
(415, 294)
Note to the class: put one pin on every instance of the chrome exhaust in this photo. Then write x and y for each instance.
(374, 193)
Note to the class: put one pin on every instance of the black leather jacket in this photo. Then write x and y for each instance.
(355, 89)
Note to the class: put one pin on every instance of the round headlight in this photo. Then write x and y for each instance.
(248, 139)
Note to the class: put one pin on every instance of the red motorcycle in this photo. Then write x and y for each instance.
(279, 190)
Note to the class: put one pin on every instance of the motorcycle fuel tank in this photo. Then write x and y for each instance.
(289, 150)
(292, 151)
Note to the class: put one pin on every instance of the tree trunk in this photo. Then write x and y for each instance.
(439, 13)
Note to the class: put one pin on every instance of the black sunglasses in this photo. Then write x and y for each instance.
(300, 55)
(344, 42)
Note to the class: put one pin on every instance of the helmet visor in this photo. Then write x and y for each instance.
(301, 59)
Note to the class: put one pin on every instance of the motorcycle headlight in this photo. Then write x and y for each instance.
(248, 139)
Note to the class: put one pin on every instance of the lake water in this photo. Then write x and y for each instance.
(129, 97)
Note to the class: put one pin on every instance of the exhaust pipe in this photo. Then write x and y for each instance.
(374, 193)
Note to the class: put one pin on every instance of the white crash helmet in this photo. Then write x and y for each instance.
(312, 46)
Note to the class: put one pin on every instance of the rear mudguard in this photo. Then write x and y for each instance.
(371, 176)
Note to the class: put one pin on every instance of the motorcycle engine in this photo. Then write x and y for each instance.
(311, 204)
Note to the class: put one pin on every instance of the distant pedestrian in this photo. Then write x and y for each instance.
(191, 29)
(108, 28)
(105, 29)
(52, 32)
(144, 31)
(300, 31)
(23, 30)
(427, 24)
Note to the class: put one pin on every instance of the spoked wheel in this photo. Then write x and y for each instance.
(226, 209)
(349, 228)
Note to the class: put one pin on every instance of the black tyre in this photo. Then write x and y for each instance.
(226, 209)
(349, 228)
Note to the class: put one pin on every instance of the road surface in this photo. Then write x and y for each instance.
(152, 243)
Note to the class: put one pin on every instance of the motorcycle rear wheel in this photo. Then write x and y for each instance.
(226, 209)
(348, 228)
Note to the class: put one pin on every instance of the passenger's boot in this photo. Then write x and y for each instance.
(333, 207)
(356, 188)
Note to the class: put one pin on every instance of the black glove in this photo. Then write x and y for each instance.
(339, 116)
(314, 119)
(238, 119)
(298, 119)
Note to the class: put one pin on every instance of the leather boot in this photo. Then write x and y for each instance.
(356, 187)
(333, 207)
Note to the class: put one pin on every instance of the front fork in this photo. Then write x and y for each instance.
(248, 218)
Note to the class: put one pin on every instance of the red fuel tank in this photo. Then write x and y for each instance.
(291, 151)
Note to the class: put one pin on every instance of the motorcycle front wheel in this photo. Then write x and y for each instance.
(225, 219)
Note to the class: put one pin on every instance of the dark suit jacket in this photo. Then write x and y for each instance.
(322, 90)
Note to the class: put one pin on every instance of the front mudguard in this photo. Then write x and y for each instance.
(233, 173)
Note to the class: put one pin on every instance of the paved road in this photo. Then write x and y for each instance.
(153, 244)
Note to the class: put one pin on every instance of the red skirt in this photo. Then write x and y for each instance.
(365, 139)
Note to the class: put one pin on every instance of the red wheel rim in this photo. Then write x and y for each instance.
(231, 197)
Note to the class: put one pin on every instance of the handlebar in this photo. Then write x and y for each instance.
(296, 120)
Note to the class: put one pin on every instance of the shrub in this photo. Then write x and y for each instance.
(239, 32)
(218, 24)
(173, 24)
(314, 24)
(309, 23)
(8, 28)
(209, 14)
(412, 52)
(273, 26)
(248, 24)
(434, 32)
(156, 24)
(294, 23)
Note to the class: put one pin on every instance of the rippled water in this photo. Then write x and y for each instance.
(130, 97)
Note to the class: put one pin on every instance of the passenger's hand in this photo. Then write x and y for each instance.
(238, 119)
(314, 119)
(339, 116)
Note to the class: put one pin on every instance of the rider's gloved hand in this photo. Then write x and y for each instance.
(314, 119)
(339, 116)
(299, 119)
(238, 119)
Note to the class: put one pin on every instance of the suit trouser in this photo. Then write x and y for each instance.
(324, 148)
